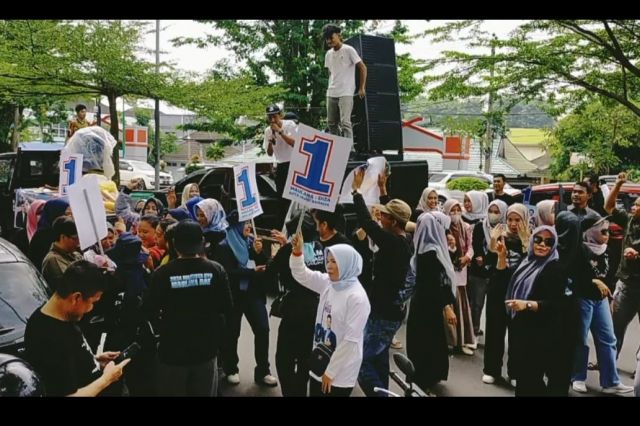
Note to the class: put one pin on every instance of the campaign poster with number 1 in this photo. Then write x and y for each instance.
(247, 195)
(70, 170)
(316, 172)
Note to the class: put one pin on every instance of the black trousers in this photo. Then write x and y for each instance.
(295, 342)
(281, 179)
(497, 322)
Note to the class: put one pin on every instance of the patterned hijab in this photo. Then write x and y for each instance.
(524, 277)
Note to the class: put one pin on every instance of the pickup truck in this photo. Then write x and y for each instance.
(407, 180)
(34, 165)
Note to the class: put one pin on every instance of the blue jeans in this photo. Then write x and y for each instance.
(596, 316)
(374, 371)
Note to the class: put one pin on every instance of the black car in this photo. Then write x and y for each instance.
(22, 291)
(219, 183)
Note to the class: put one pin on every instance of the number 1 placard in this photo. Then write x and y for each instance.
(316, 172)
(70, 170)
(247, 195)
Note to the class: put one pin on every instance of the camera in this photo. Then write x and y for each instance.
(129, 352)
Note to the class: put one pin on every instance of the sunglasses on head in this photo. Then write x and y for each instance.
(549, 242)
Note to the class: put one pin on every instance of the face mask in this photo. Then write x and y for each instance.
(494, 218)
(456, 218)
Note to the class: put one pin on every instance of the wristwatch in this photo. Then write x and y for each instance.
(529, 306)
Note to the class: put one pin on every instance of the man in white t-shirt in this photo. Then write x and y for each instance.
(279, 137)
(341, 60)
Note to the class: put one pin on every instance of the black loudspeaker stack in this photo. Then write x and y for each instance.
(376, 119)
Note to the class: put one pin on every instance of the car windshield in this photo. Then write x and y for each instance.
(437, 177)
(22, 291)
(142, 166)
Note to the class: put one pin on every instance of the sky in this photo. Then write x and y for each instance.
(191, 58)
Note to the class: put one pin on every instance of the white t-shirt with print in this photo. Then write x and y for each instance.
(349, 309)
(342, 66)
(281, 150)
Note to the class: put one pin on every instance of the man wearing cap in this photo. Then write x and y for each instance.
(279, 137)
(193, 295)
(342, 61)
(390, 265)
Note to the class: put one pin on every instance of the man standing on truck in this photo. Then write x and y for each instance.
(278, 141)
(341, 60)
(80, 121)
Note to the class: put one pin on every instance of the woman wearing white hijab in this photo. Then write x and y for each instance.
(484, 261)
(534, 303)
(342, 314)
(428, 202)
(431, 303)
(475, 206)
(592, 297)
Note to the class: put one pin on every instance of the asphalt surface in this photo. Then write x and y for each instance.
(465, 372)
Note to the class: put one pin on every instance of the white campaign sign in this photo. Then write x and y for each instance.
(316, 172)
(88, 210)
(369, 188)
(247, 195)
(70, 170)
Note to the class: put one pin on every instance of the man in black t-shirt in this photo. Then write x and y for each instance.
(55, 345)
(498, 190)
(193, 296)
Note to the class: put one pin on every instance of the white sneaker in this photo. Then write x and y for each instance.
(579, 386)
(618, 389)
(233, 379)
(269, 380)
(488, 379)
(473, 346)
(513, 383)
(467, 351)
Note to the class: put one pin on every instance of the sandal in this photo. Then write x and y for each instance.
(396, 344)
(592, 366)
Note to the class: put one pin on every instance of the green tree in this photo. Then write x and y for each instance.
(61, 58)
(293, 51)
(607, 132)
(564, 62)
(215, 151)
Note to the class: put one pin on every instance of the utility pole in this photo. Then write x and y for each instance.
(489, 135)
(157, 113)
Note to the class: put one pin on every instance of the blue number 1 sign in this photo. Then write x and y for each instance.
(318, 151)
(243, 178)
(70, 170)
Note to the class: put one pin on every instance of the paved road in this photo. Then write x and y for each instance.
(465, 371)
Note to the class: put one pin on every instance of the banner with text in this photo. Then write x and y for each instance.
(317, 168)
(247, 195)
(70, 170)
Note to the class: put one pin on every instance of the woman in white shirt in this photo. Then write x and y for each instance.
(343, 310)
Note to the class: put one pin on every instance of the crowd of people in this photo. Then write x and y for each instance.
(178, 280)
(183, 277)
